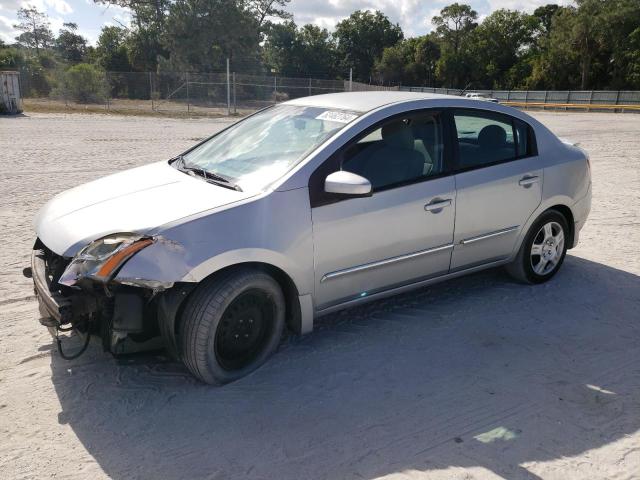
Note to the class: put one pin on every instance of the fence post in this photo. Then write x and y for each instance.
(151, 91)
(590, 101)
(309, 86)
(275, 89)
(188, 106)
(351, 79)
(233, 78)
(228, 90)
(526, 98)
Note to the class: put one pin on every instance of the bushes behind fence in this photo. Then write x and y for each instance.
(82, 83)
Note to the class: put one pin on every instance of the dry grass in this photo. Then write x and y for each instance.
(172, 109)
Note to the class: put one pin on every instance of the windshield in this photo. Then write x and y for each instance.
(259, 150)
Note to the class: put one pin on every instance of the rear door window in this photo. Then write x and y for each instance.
(485, 138)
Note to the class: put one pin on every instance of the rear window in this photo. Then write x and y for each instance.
(485, 138)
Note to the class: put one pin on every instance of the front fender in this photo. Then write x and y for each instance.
(275, 230)
(302, 280)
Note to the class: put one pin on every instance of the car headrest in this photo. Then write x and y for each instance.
(398, 135)
(492, 136)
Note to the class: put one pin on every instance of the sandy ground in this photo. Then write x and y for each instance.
(477, 378)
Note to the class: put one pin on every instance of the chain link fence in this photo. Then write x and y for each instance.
(176, 93)
(233, 93)
(611, 100)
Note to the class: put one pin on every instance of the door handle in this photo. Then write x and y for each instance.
(437, 205)
(529, 180)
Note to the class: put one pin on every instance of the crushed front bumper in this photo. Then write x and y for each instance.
(55, 309)
(124, 317)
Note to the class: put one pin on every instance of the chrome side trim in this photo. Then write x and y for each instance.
(406, 288)
(467, 241)
(380, 263)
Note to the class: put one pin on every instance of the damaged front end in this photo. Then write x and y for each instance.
(80, 294)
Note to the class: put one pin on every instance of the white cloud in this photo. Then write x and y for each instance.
(60, 6)
(56, 24)
(7, 32)
(414, 16)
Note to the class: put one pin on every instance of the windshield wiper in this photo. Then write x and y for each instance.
(210, 177)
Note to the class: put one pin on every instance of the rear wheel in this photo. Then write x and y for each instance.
(543, 250)
(231, 325)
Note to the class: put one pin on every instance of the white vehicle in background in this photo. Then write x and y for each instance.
(481, 96)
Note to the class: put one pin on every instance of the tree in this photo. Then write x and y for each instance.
(145, 38)
(362, 38)
(144, 12)
(502, 43)
(632, 59)
(585, 35)
(281, 47)
(588, 46)
(201, 34)
(34, 26)
(427, 53)
(70, 45)
(618, 52)
(545, 16)
(556, 65)
(294, 51)
(111, 50)
(454, 25)
(262, 10)
(454, 28)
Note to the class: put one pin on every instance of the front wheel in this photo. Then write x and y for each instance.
(543, 249)
(231, 325)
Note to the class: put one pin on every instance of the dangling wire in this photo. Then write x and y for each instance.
(59, 342)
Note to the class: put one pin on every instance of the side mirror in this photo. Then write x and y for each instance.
(347, 183)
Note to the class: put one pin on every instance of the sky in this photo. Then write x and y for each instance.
(413, 15)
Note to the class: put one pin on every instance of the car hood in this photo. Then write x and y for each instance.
(137, 200)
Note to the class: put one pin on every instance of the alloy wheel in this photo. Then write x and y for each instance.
(547, 248)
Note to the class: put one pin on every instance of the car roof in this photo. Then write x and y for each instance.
(364, 101)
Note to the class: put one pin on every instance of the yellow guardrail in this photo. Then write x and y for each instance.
(585, 106)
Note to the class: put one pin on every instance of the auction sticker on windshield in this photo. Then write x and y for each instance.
(337, 116)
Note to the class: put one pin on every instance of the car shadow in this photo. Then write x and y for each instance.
(474, 372)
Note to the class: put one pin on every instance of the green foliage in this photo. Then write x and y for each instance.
(544, 16)
(589, 47)
(221, 29)
(292, 51)
(361, 39)
(412, 62)
(502, 44)
(593, 44)
(111, 50)
(34, 26)
(36, 75)
(454, 25)
(10, 58)
(82, 83)
(71, 46)
(455, 28)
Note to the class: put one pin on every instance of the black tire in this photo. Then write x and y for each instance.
(217, 344)
(522, 267)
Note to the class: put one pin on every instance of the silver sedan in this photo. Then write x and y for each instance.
(301, 209)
